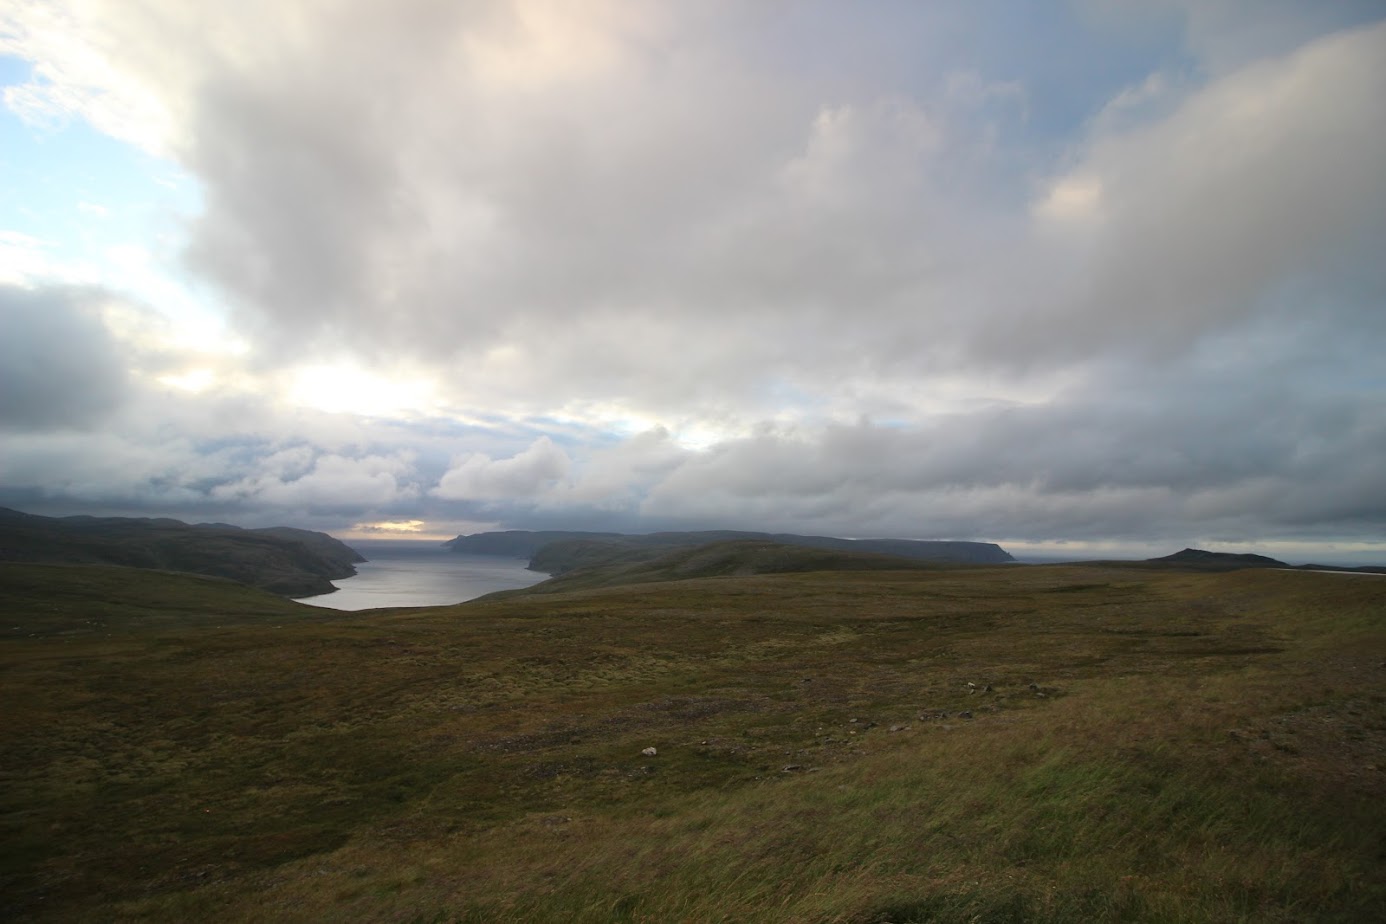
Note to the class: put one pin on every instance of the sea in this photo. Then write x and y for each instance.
(413, 573)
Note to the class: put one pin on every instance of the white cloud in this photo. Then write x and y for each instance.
(1265, 178)
(334, 482)
(738, 264)
(520, 477)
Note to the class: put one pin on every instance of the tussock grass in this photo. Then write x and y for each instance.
(1154, 746)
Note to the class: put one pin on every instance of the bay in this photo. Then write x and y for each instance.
(411, 573)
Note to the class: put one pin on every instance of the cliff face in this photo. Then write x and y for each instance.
(287, 561)
(556, 552)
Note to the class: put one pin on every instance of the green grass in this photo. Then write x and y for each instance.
(1154, 746)
(83, 600)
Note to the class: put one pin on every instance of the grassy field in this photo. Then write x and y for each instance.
(1008, 744)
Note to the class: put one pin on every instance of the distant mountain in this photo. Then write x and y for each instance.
(1201, 558)
(557, 552)
(283, 560)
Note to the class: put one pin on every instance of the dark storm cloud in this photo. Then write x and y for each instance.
(59, 367)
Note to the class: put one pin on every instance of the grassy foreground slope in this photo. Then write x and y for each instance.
(78, 600)
(990, 744)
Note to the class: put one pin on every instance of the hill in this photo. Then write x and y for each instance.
(1039, 744)
(555, 552)
(517, 543)
(283, 560)
(1200, 558)
(1203, 560)
(73, 600)
(616, 564)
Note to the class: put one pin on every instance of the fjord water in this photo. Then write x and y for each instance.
(405, 573)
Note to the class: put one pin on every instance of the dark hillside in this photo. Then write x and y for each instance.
(287, 561)
(516, 543)
(1217, 561)
(617, 564)
(1202, 560)
(556, 552)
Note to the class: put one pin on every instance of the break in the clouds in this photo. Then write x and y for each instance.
(1099, 272)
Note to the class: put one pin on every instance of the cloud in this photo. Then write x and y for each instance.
(1264, 180)
(331, 482)
(458, 184)
(1251, 464)
(59, 366)
(1108, 270)
(519, 478)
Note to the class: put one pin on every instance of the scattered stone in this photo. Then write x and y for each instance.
(1034, 687)
(790, 768)
(807, 680)
(649, 752)
(987, 689)
(853, 721)
(1041, 694)
(899, 728)
(964, 715)
(971, 685)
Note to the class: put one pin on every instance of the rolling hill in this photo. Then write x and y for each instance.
(283, 560)
(555, 552)
(620, 565)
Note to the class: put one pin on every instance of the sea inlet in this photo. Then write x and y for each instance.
(413, 573)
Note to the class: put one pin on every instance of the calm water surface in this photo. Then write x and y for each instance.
(422, 574)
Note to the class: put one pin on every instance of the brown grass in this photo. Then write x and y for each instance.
(1154, 746)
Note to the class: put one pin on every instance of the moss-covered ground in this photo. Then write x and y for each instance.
(1002, 744)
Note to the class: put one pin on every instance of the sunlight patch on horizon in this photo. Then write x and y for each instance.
(411, 530)
(392, 526)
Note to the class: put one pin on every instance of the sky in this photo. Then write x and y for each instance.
(1106, 275)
